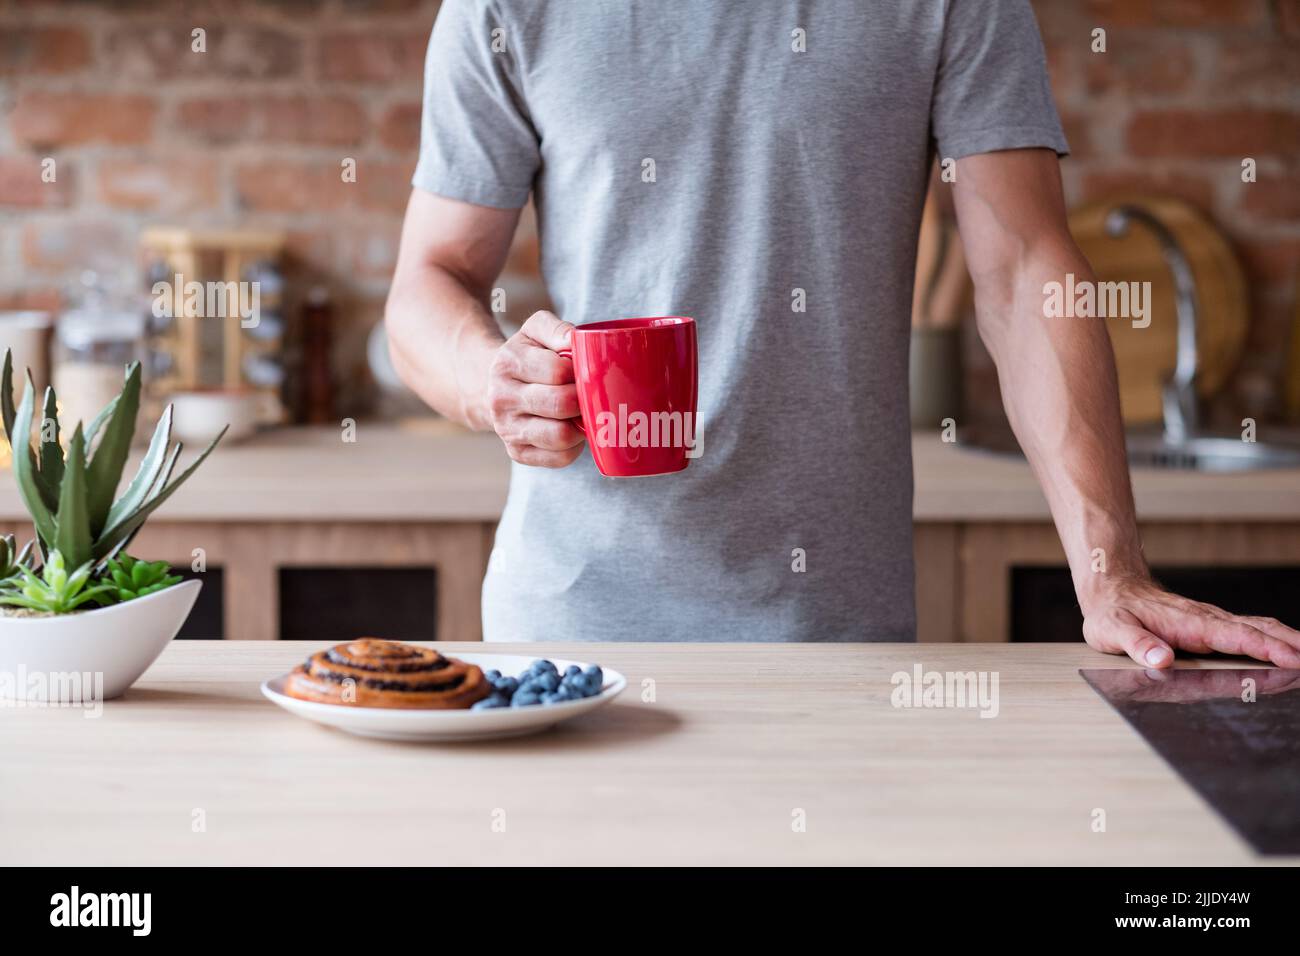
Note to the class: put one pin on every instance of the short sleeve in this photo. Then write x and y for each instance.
(477, 142)
(992, 91)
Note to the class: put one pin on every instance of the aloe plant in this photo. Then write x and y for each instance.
(54, 590)
(128, 578)
(73, 503)
(11, 560)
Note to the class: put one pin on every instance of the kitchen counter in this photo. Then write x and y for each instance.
(738, 741)
(431, 470)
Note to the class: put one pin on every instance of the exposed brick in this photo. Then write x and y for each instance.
(1288, 17)
(326, 120)
(373, 57)
(165, 52)
(1178, 13)
(1241, 132)
(399, 127)
(216, 119)
(1077, 134)
(40, 299)
(1270, 260)
(1197, 190)
(43, 119)
(66, 244)
(29, 50)
(319, 120)
(1272, 197)
(384, 186)
(1131, 66)
(292, 187)
(165, 184)
(1262, 65)
(22, 183)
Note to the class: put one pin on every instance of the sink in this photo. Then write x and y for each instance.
(1208, 453)
(1153, 449)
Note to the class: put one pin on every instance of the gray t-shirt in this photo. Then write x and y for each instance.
(791, 146)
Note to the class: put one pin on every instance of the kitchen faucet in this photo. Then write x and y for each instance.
(1181, 417)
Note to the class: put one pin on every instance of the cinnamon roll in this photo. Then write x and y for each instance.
(370, 672)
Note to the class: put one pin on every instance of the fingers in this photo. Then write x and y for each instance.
(531, 395)
(1202, 628)
(1143, 646)
(547, 331)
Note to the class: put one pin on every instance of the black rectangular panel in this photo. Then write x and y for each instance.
(1235, 743)
(339, 604)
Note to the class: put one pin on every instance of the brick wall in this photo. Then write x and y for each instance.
(253, 131)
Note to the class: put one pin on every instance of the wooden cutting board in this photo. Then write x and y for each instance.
(1145, 357)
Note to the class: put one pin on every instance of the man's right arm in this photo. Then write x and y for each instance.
(445, 343)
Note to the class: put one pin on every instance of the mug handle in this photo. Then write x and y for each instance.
(577, 422)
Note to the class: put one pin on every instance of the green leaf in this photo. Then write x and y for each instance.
(25, 468)
(105, 469)
(51, 459)
(7, 395)
(97, 422)
(120, 534)
(72, 525)
(146, 476)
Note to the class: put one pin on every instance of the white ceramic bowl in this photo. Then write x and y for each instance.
(119, 642)
(200, 415)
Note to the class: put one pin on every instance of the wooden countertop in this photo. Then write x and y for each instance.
(430, 470)
(738, 738)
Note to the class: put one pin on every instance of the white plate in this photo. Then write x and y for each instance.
(395, 723)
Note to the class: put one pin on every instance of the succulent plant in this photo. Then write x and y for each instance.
(53, 590)
(128, 578)
(72, 502)
(12, 560)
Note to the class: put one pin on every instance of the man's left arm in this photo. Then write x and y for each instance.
(1058, 384)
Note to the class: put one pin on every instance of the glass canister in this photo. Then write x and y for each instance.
(93, 344)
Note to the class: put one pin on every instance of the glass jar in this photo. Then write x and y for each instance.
(94, 342)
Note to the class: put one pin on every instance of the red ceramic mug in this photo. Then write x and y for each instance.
(637, 384)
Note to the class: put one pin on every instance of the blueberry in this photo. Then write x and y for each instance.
(522, 699)
(489, 703)
(596, 676)
(492, 675)
(542, 667)
(557, 697)
(506, 685)
(548, 681)
(573, 670)
(588, 686)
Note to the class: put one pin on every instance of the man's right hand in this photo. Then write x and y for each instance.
(531, 396)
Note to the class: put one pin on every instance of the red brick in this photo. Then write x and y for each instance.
(1260, 65)
(320, 120)
(165, 52)
(214, 119)
(67, 244)
(1272, 197)
(1196, 190)
(29, 50)
(21, 183)
(44, 119)
(1288, 17)
(164, 184)
(325, 120)
(399, 127)
(1235, 133)
(384, 186)
(1178, 13)
(373, 57)
(1270, 260)
(40, 300)
(292, 187)
(1131, 66)
(1077, 134)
